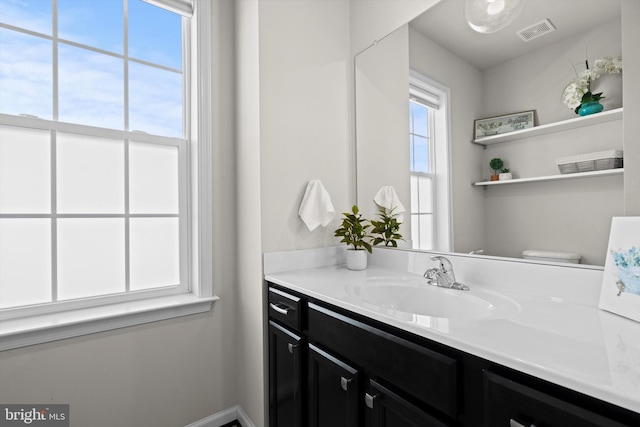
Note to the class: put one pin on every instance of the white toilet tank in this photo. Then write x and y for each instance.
(552, 256)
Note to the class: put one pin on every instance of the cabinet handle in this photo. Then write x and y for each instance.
(514, 423)
(370, 400)
(344, 383)
(291, 347)
(279, 308)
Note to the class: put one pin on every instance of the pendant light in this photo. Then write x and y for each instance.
(489, 16)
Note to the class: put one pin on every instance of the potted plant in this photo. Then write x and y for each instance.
(387, 229)
(496, 164)
(505, 174)
(354, 233)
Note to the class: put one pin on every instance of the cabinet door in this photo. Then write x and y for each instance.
(285, 377)
(387, 409)
(333, 391)
(512, 404)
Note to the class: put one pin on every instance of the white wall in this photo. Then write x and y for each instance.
(382, 117)
(631, 57)
(569, 216)
(305, 133)
(294, 115)
(165, 374)
(536, 81)
(248, 322)
(373, 20)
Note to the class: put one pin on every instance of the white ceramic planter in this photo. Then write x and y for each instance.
(356, 259)
(505, 176)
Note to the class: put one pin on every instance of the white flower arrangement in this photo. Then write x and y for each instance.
(579, 90)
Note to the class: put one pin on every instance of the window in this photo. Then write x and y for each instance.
(96, 158)
(429, 163)
(422, 175)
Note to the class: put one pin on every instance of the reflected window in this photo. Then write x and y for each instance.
(429, 162)
(422, 178)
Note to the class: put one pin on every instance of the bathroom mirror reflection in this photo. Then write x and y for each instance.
(463, 76)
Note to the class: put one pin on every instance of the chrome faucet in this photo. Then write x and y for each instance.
(443, 276)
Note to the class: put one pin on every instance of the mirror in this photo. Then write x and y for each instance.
(487, 75)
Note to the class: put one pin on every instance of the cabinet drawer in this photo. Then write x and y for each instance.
(418, 372)
(286, 308)
(508, 402)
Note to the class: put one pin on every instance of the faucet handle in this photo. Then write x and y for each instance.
(431, 274)
(445, 264)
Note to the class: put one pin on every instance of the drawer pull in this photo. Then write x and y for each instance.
(344, 383)
(280, 308)
(514, 423)
(291, 347)
(370, 400)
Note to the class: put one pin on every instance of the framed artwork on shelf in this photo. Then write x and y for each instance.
(503, 124)
(620, 293)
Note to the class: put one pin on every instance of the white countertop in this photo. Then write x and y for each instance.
(572, 344)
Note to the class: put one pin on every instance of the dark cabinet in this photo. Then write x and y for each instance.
(334, 391)
(329, 367)
(511, 403)
(429, 376)
(387, 409)
(286, 403)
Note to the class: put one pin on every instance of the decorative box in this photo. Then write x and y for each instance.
(600, 160)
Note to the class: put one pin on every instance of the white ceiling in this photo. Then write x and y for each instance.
(445, 24)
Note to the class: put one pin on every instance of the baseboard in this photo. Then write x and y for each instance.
(225, 417)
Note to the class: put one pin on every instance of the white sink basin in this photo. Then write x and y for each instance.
(414, 296)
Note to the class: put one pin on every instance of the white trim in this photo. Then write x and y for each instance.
(22, 332)
(225, 417)
(181, 7)
(201, 140)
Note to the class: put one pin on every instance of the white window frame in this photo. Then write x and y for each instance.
(77, 318)
(425, 90)
(417, 213)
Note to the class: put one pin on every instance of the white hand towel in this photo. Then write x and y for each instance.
(387, 198)
(316, 207)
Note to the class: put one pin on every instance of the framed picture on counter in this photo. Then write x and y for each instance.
(503, 124)
(620, 293)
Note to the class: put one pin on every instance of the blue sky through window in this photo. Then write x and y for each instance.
(91, 83)
(419, 137)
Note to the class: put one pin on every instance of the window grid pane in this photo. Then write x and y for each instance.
(93, 75)
(422, 181)
(25, 261)
(69, 266)
(25, 169)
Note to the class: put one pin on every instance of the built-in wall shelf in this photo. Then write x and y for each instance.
(607, 172)
(605, 116)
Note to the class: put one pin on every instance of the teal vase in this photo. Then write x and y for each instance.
(590, 108)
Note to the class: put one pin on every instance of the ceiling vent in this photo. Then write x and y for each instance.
(536, 30)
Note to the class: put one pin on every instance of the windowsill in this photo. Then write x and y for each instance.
(21, 332)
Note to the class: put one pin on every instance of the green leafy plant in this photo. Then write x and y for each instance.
(354, 230)
(496, 164)
(387, 229)
(505, 170)
(589, 97)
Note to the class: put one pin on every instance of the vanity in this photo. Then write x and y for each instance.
(343, 351)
